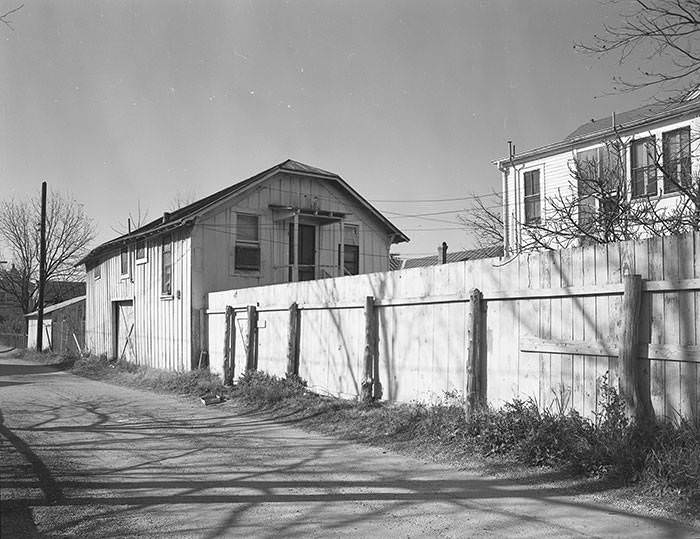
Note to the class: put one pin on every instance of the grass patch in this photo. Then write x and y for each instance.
(191, 383)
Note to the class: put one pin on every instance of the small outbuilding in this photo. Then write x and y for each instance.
(64, 327)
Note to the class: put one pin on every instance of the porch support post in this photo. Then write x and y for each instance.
(295, 254)
(341, 249)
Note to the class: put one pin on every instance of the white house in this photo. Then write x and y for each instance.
(655, 146)
(146, 290)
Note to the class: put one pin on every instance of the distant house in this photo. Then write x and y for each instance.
(146, 290)
(655, 148)
(451, 256)
(12, 311)
(63, 327)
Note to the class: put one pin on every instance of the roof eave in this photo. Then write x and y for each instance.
(556, 147)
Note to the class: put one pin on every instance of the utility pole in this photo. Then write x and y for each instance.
(42, 271)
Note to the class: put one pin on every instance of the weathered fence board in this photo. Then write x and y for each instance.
(552, 326)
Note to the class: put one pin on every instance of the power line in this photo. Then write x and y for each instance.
(417, 201)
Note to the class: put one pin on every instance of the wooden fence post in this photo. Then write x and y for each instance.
(474, 392)
(376, 379)
(370, 347)
(252, 352)
(293, 342)
(629, 379)
(228, 356)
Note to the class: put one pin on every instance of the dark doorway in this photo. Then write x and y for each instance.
(307, 252)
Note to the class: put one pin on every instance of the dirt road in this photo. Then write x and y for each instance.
(87, 459)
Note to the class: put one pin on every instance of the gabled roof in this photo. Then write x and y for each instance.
(454, 256)
(602, 128)
(187, 214)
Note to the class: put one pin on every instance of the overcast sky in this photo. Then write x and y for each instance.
(126, 102)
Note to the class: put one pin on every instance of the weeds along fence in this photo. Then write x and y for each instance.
(546, 325)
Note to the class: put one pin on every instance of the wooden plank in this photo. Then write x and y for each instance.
(628, 343)
(590, 332)
(672, 375)
(602, 306)
(578, 366)
(656, 368)
(688, 314)
(662, 352)
(552, 346)
(545, 392)
(566, 332)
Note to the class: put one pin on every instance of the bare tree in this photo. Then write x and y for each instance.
(68, 232)
(5, 17)
(658, 36)
(483, 221)
(600, 205)
(182, 199)
(136, 219)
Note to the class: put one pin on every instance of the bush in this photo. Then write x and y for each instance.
(261, 388)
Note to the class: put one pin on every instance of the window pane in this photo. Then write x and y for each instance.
(246, 227)
(351, 235)
(167, 263)
(141, 249)
(247, 257)
(532, 182)
(124, 261)
(351, 259)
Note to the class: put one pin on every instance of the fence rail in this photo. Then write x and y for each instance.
(553, 325)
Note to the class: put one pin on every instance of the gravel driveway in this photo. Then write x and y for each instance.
(80, 458)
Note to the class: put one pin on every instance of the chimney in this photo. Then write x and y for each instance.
(442, 253)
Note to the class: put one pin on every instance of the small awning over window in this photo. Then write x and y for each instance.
(306, 215)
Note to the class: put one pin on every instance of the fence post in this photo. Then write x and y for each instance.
(376, 380)
(370, 347)
(629, 380)
(476, 365)
(228, 370)
(293, 342)
(252, 355)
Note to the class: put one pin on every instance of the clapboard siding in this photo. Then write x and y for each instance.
(556, 178)
(568, 295)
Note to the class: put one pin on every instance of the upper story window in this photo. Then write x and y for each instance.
(676, 163)
(351, 251)
(166, 281)
(141, 255)
(97, 272)
(124, 261)
(603, 166)
(247, 249)
(532, 196)
(644, 167)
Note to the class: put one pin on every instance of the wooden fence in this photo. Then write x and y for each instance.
(551, 329)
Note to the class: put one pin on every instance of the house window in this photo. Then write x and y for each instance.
(603, 166)
(141, 255)
(247, 249)
(676, 165)
(351, 256)
(97, 272)
(124, 261)
(644, 167)
(166, 286)
(532, 196)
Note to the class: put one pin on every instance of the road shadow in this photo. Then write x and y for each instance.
(231, 465)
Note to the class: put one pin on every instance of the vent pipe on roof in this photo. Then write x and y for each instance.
(165, 216)
(442, 253)
(614, 124)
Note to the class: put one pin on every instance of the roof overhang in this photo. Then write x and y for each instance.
(591, 138)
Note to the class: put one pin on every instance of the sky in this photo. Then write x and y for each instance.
(124, 104)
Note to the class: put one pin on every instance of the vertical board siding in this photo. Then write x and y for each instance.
(162, 327)
(423, 344)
